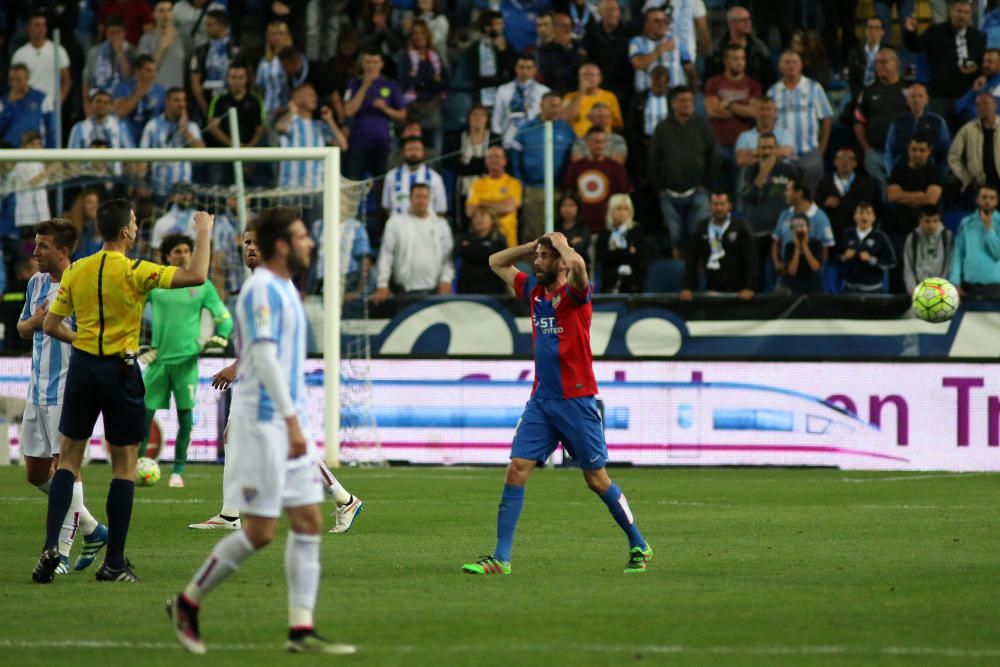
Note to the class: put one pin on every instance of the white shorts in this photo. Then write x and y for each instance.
(40, 430)
(264, 481)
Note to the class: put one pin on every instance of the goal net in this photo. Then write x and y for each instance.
(35, 185)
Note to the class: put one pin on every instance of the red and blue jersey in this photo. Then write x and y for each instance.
(560, 334)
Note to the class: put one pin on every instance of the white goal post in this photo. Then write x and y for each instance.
(331, 236)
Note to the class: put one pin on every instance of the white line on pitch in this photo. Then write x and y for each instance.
(529, 648)
(140, 501)
(910, 478)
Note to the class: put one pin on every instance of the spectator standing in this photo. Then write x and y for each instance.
(25, 108)
(928, 250)
(211, 60)
(988, 80)
(134, 15)
(765, 122)
(595, 179)
(799, 200)
(401, 180)
(619, 251)
(436, 21)
(171, 129)
(138, 99)
(880, 104)
(917, 120)
(861, 58)
(724, 249)
(815, 63)
(655, 47)
(646, 110)
(300, 129)
(473, 251)
(416, 251)
(765, 188)
(527, 155)
(606, 44)
(912, 186)
(251, 117)
(975, 263)
(299, 71)
(227, 270)
(28, 181)
(974, 156)
(740, 31)
(167, 46)
(954, 50)
(491, 58)
(476, 141)
(498, 191)
(840, 192)
(569, 222)
(110, 62)
(101, 125)
(577, 104)
(729, 101)
(39, 55)
(803, 258)
(804, 110)
(271, 79)
(190, 15)
(372, 103)
(559, 60)
(424, 78)
(682, 168)
(83, 215)
(179, 218)
(517, 101)
(866, 253)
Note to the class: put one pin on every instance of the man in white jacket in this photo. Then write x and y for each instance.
(416, 250)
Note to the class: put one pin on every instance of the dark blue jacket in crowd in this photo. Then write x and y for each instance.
(527, 154)
(965, 106)
(897, 142)
(864, 276)
(26, 114)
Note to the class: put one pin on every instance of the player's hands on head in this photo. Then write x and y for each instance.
(296, 440)
(558, 239)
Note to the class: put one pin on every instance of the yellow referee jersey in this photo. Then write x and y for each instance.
(107, 291)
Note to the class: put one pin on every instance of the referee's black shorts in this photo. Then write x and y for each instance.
(111, 386)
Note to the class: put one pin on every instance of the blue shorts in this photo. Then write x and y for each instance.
(111, 386)
(575, 422)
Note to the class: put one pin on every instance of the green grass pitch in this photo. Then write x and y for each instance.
(752, 566)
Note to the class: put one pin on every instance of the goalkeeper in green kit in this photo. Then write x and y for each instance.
(172, 362)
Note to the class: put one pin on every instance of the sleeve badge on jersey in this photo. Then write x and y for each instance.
(262, 318)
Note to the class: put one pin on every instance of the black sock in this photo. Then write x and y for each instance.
(299, 633)
(119, 509)
(60, 498)
(230, 519)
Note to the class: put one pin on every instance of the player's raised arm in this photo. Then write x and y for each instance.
(577, 267)
(503, 262)
(198, 272)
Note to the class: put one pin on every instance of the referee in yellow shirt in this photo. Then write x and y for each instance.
(107, 291)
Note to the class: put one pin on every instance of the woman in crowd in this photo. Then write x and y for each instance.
(271, 78)
(619, 248)
(83, 215)
(472, 254)
(423, 76)
(573, 228)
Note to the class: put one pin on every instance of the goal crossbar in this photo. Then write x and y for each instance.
(331, 235)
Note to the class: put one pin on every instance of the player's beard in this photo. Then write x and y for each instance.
(297, 267)
(546, 278)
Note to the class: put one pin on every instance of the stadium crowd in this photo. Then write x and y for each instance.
(699, 145)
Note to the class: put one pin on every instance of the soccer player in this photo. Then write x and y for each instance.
(106, 291)
(54, 242)
(276, 465)
(172, 363)
(348, 506)
(562, 406)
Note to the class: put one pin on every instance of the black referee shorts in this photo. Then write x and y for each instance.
(103, 385)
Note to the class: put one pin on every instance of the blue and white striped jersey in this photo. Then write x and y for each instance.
(112, 129)
(672, 60)
(269, 309)
(800, 110)
(161, 132)
(49, 357)
(272, 80)
(304, 133)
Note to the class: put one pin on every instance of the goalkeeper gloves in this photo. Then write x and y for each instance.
(148, 357)
(215, 344)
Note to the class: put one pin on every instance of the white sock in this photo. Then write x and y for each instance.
(227, 483)
(225, 558)
(44, 486)
(302, 573)
(88, 523)
(333, 487)
(67, 534)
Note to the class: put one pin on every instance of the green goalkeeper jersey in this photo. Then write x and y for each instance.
(177, 320)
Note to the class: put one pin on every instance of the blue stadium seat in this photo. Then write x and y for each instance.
(665, 275)
(952, 218)
(991, 26)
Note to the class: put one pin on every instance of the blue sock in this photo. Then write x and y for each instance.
(119, 509)
(510, 509)
(60, 498)
(618, 504)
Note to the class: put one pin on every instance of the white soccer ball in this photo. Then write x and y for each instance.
(147, 472)
(935, 300)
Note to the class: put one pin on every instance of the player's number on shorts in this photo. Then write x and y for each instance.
(191, 392)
